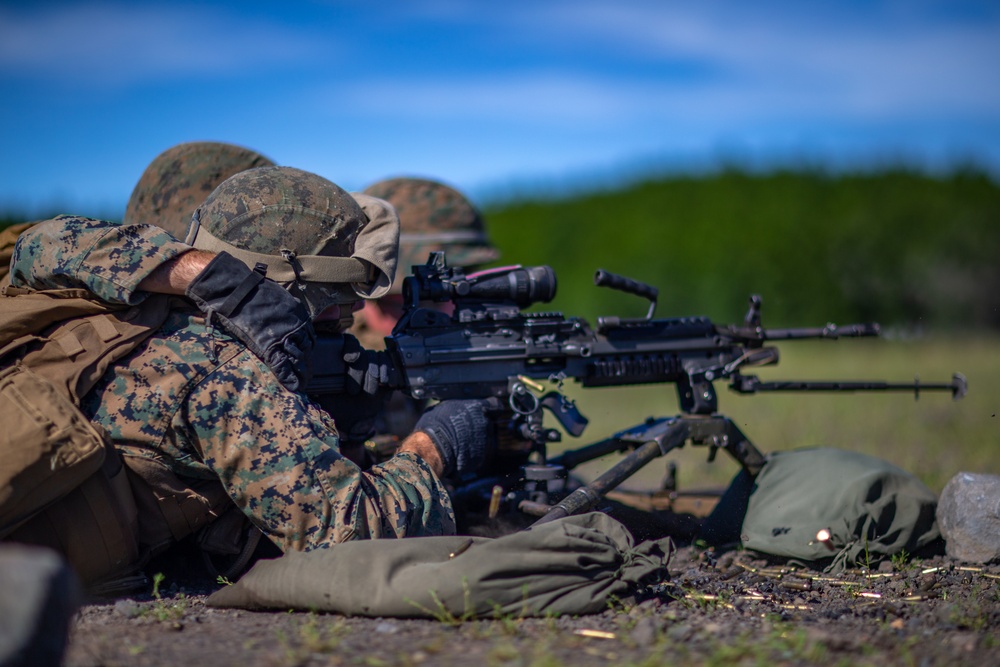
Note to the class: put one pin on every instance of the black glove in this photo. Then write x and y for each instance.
(368, 371)
(266, 317)
(461, 432)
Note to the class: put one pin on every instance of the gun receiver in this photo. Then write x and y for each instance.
(489, 346)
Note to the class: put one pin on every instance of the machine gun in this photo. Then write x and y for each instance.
(488, 346)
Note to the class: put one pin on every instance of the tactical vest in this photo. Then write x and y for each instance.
(62, 485)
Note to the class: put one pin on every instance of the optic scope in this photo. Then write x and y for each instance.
(516, 285)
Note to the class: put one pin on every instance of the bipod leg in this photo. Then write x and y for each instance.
(719, 432)
(587, 497)
(629, 438)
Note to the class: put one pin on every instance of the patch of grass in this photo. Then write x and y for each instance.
(311, 637)
(780, 645)
(692, 598)
(901, 561)
(442, 614)
(509, 624)
(502, 653)
(969, 611)
(163, 610)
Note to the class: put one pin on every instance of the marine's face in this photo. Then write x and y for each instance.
(337, 312)
(382, 314)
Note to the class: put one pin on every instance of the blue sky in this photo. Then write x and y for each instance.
(488, 96)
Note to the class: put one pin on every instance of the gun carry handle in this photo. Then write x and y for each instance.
(607, 279)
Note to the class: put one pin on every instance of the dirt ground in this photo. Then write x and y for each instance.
(718, 608)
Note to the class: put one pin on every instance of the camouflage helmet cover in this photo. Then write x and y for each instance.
(179, 179)
(434, 216)
(312, 236)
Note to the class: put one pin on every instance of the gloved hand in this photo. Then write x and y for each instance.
(461, 431)
(368, 371)
(271, 322)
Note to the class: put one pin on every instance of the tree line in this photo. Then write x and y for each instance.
(897, 246)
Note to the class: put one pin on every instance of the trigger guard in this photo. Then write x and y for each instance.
(521, 392)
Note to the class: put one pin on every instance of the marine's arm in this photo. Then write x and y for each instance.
(116, 262)
(420, 443)
(175, 275)
(279, 459)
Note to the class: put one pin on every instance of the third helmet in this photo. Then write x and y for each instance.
(434, 216)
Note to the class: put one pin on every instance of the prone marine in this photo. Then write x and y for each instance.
(209, 412)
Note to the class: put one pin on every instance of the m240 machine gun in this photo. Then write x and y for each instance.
(483, 344)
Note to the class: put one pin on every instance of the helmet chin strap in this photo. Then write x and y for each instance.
(290, 267)
(338, 326)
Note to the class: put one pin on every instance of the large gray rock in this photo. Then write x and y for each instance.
(38, 596)
(968, 514)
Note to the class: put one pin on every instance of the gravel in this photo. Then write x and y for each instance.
(731, 608)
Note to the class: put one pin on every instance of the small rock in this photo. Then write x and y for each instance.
(885, 567)
(645, 632)
(387, 628)
(645, 608)
(947, 613)
(968, 515)
(127, 608)
(964, 642)
(680, 633)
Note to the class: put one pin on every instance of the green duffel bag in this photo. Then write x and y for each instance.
(576, 565)
(828, 507)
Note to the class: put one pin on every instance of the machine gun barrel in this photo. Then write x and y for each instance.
(831, 331)
(750, 384)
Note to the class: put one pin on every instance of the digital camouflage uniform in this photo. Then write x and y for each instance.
(432, 216)
(8, 235)
(196, 402)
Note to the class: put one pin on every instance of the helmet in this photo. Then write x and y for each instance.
(179, 179)
(305, 232)
(434, 216)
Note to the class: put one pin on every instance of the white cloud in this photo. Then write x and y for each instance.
(783, 57)
(748, 58)
(113, 44)
(537, 97)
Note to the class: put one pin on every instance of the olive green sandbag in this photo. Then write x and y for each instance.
(871, 508)
(576, 565)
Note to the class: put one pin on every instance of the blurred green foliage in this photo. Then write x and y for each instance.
(898, 246)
